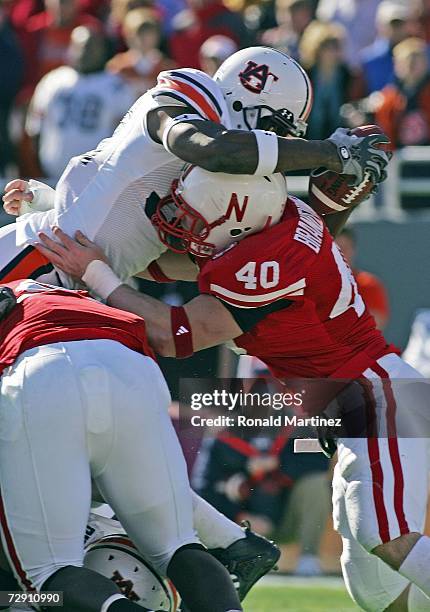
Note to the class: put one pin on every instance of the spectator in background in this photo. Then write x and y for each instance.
(11, 75)
(358, 17)
(392, 22)
(369, 286)
(203, 19)
(74, 107)
(322, 55)
(49, 37)
(403, 108)
(292, 17)
(140, 65)
(214, 51)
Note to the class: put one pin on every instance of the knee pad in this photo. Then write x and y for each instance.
(371, 584)
(361, 515)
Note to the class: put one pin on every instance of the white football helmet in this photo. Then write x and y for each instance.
(116, 557)
(205, 211)
(266, 89)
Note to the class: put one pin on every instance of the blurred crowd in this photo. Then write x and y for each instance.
(71, 68)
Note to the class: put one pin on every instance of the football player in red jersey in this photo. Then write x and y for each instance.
(286, 295)
(249, 118)
(82, 398)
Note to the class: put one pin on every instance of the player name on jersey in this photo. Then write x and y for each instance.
(310, 227)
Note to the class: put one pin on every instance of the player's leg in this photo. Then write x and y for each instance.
(386, 479)
(405, 548)
(45, 480)
(141, 473)
(19, 262)
(246, 555)
(371, 584)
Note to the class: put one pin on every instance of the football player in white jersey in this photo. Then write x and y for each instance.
(248, 119)
(74, 107)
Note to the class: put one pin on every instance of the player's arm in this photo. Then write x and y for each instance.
(203, 322)
(178, 332)
(209, 145)
(336, 221)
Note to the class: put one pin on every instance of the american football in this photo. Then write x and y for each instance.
(330, 192)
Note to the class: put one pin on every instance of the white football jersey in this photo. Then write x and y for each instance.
(110, 193)
(72, 112)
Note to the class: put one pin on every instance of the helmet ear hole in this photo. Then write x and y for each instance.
(236, 232)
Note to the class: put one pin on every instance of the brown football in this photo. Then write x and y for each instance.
(330, 192)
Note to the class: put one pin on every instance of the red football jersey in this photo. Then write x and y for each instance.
(326, 331)
(46, 314)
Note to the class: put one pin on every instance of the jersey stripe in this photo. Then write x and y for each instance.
(196, 83)
(393, 446)
(29, 263)
(194, 95)
(375, 462)
(12, 553)
(180, 98)
(292, 290)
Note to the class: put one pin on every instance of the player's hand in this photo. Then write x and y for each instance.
(72, 256)
(16, 192)
(360, 154)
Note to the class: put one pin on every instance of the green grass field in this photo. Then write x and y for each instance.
(299, 596)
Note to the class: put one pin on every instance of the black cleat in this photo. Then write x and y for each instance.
(247, 560)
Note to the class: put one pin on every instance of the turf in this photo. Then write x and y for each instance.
(299, 598)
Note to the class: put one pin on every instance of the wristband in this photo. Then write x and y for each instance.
(100, 278)
(173, 121)
(181, 332)
(157, 273)
(267, 145)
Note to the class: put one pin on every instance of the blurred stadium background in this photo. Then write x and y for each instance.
(69, 69)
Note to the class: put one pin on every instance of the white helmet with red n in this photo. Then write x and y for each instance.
(205, 211)
(116, 557)
(266, 89)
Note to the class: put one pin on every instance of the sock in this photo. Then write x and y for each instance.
(86, 591)
(417, 601)
(416, 566)
(213, 528)
(202, 582)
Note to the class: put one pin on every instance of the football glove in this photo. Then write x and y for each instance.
(359, 154)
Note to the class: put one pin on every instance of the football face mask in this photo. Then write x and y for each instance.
(205, 212)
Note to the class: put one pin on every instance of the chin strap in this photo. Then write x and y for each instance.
(181, 332)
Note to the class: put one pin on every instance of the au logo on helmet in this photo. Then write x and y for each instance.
(255, 76)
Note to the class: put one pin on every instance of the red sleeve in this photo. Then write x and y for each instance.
(260, 270)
